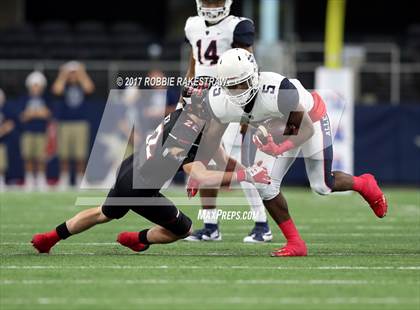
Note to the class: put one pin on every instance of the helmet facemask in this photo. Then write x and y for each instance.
(213, 14)
(241, 91)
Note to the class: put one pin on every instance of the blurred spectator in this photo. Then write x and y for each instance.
(120, 131)
(6, 126)
(130, 115)
(153, 102)
(73, 84)
(34, 114)
(172, 98)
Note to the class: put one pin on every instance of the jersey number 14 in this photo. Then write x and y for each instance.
(210, 53)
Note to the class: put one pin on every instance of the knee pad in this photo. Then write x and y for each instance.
(269, 191)
(180, 226)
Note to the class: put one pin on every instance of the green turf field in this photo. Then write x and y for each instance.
(355, 261)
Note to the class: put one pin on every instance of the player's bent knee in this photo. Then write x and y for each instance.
(102, 218)
(113, 212)
(189, 232)
(181, 226)
(268, 192)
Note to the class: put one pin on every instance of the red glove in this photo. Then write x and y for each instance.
(271, 148)
(254, 174)
(192, 187)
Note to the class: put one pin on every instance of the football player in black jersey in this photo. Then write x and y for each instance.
(174, 145)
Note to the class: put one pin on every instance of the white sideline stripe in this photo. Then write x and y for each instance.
(212, 267)
(211, 301)
(204, 281)
(197, 281)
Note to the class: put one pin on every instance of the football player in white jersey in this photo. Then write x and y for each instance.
(248, 96)
(210, 33)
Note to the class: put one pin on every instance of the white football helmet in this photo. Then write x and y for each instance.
(213, 15)
(238, 66)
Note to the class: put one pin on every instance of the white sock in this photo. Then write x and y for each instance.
(209, 216)
(254, 201)
(2, 183)
(41, 181)
(64, 180)
(29, 180)
(79, 179)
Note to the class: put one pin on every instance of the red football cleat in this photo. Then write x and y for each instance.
(374, 195)
(292, 248)
(44, 242)
(131, 240)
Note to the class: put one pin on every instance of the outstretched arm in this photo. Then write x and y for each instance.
(198, 171)
(210, 141)
(206, 178)
(225, 162)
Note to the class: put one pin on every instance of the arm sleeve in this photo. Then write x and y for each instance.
(288, 97)
(244, 34)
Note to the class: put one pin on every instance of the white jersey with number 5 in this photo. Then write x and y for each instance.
(209, 41)
(276, 98)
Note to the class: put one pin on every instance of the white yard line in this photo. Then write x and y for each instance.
(140, 267)
(212, 300)
(203, 281)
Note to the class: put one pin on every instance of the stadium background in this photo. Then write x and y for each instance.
(131, 38)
